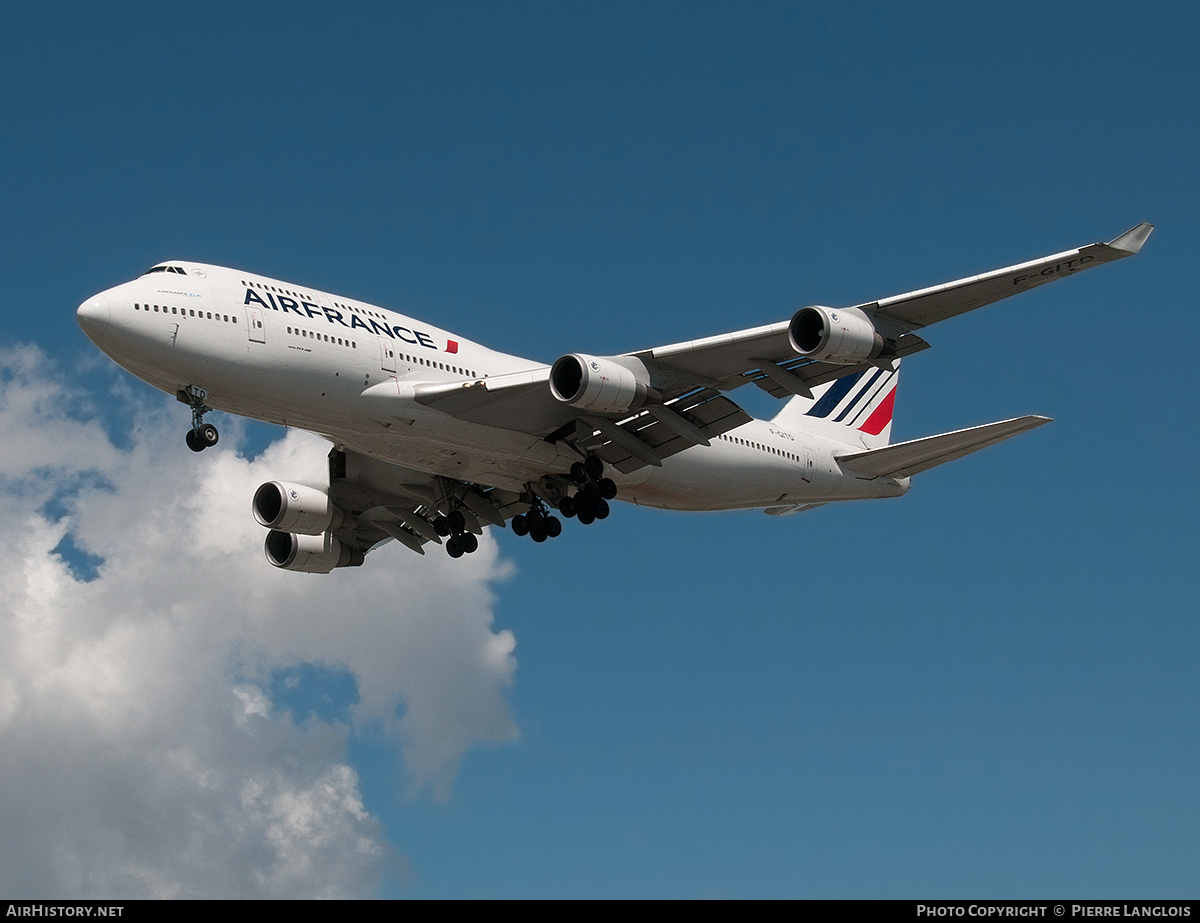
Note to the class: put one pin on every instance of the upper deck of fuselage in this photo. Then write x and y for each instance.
(311, 306)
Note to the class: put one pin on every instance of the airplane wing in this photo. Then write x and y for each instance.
(641, 407)
(732, 359)
(929, 305)
(387, 501)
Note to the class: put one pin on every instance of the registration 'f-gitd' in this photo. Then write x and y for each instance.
(436, 437)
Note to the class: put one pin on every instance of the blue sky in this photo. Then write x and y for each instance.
(986, 688)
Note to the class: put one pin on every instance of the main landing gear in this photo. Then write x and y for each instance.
(590, 501)
(202, 435)
(461, 541)
(539, 523)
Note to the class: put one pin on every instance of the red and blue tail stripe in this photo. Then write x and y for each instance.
(852, 396)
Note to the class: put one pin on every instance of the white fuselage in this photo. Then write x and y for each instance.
(296, 356)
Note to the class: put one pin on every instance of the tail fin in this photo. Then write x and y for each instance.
(855, 409)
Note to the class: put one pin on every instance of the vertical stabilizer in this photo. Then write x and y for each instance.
(855, 409)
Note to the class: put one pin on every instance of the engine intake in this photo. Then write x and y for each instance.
(600, 384)
(298, 508)
(311, 554)
(845, 335)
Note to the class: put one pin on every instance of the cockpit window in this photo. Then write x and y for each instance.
(178, 269)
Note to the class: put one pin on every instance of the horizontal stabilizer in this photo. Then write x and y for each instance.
(908, 458)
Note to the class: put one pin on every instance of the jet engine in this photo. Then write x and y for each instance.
(298, 508)
(843, 335)
(312, 554)
(600, 384)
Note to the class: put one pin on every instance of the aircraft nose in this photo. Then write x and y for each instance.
(93, 317)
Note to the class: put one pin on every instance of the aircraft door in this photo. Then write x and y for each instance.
(387, 355)
(806, 472)
(255, 327)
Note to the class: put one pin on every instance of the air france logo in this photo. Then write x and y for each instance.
(307, 309)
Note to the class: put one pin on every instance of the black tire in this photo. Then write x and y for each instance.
(602, 508)
(519, 525)
(453, 548)
(538, 534)
(441, 526)
(578, 473)
(566, 506)
(607, 488)
(594, 466)
(586, 518)
(468, 542)
(207, 435)
(553, 526)
(192, 444)
(587, 496)
(457, 522)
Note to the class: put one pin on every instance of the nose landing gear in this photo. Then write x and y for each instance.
(200, 438)
(202, 435)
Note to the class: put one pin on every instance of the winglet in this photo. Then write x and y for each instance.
(1131, 241)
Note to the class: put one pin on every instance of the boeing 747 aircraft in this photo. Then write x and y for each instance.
(435, 437)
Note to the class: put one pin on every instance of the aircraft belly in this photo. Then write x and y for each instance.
(440, 444)
(724, 477)
(709, 478)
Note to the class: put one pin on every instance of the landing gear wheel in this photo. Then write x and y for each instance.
(201, 435)
(553, 527)
(578, 473)
(566, 506)
(602, 508)
(586, 496)
(457, 522)
(538, 534)
(441, 525)
(453, 548)
(593, 466)
(586, 518)
(468, 542)
(586, 500)
(607, 488)
(520, 525)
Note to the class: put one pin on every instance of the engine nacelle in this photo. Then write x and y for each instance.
(312, 554)
(600, 384)
(298, 508)
(841, 335)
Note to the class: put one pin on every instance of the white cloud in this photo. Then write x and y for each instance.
(139, 751)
